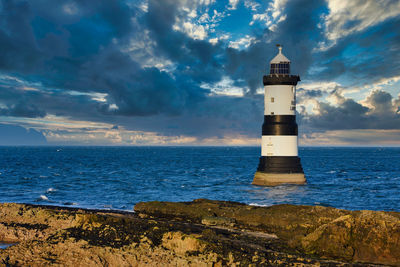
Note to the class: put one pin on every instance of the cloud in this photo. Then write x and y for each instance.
(233, 4)
(298, 39)
(22, 110)
(252, 5)
(242, 43)
(377, 111)
(188, 69)
(347, 17)
(12, 135)
(88, 57)
(302, 95)
(271, 16)
(362, 137)
(363, 57)
(381, 102)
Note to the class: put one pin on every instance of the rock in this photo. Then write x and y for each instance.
(366, 236)
(350, 236)
(181, 243)
(221, 221)
(198, 233)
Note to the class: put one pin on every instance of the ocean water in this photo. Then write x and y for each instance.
(120, 177)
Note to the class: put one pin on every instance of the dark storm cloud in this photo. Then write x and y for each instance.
(137, 91)
(25, 103)
(379, 112)
(76, 52)
(22, 110)
(215, 117)
(197, 59)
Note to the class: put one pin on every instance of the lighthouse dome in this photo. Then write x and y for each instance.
(280, 64)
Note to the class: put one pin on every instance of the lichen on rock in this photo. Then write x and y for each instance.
(198, 233)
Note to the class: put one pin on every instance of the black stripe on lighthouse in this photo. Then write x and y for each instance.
(280, 165)
(279, 125)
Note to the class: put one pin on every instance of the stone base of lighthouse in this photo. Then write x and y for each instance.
(274, 171)
(273, 179)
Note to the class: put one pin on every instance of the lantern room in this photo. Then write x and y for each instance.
(280, 64)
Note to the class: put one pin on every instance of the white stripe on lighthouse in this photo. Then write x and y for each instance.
(279, 145)
(280, 100)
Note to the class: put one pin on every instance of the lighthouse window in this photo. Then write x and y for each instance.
(273, 69)
(281, 68)
(272, 100)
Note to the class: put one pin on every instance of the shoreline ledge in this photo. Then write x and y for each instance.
(198, 233)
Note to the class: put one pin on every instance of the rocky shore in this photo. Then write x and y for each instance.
(198, 233)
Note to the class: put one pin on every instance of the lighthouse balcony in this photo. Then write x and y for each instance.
(280, 79)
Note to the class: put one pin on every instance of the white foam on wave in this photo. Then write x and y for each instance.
(51, 189)
(43, 197)
(259, 205)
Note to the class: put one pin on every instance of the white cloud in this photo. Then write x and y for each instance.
(272, 16)
(205, 2)
(195, 19)
(224, 87)
(192, 14)
(307, 105)
(197, 32)
(62, 130)
(252, 5)
(213, 40)
(347, 17)
(368, 137)
(242, 43)
(70, 8)
(323, 86)
(232, 140)
(233, 4)
(219, 38)
(113, 107)
(144, 6)
(260, 17)
(141, 48)
(204, 18)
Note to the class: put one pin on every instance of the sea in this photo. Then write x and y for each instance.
(119, 177)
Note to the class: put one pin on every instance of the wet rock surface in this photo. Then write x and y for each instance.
(198, 233)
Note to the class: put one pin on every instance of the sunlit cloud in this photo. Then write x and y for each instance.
(190, 72)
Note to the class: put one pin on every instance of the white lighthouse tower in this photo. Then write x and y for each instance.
(279, 161)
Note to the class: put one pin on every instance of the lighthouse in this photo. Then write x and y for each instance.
(279, 161)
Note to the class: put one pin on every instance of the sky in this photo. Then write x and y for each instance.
(177, 72)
